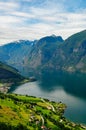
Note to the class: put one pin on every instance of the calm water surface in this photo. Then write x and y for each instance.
(60, 86)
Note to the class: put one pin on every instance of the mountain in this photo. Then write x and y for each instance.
(68, 55)
(29, 54)
(50, 52)
(9, 76)
(7, 72)
(14, 53)
(74, 52)
(43, 51)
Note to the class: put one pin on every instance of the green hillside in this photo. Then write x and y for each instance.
(30, 113)
(74, 51)
(9, 76)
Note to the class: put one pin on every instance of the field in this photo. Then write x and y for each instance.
(30, 113)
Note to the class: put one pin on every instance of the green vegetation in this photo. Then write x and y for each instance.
(9, 76)
(74, 51)
(48, 52)
(30, 113)
(8, 73)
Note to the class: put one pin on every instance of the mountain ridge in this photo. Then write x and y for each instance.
(48, 52)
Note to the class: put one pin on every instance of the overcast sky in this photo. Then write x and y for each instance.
(33, 19)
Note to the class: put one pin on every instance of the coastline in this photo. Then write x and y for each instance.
(36, 114)
(4, 87)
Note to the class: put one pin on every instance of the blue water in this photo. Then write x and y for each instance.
(58, 86)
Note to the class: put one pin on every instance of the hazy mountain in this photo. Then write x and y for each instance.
(14, 53)
(26, 54)
(68, 55)
(43, 51)
(48, 52)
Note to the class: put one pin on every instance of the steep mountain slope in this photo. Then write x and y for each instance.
(9, 76)
(69, 56)
(30, 54)
(46, 53)
(74, 50)
(7, 72)
(14, 53)
(43, 51)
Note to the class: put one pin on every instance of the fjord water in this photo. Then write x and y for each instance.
(69, 88)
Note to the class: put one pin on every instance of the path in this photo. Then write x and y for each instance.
(53, 109)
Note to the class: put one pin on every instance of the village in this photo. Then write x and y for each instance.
(34, 113)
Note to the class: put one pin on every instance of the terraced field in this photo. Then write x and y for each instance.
(30, 113)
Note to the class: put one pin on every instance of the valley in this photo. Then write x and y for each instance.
(59, 66)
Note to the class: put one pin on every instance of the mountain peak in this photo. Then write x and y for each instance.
(53, 35)
(51, 39)
(20, 41)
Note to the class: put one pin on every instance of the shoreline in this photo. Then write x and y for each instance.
(57, 110)
(4, 87)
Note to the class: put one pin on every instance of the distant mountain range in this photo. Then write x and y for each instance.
(50, 52)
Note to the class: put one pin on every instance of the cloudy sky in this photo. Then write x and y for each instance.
(33, 19)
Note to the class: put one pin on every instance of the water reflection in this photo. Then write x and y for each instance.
(60, 86)
(72, 83)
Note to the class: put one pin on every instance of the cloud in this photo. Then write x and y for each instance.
(6, 7)
(33, 19)
(8, 19)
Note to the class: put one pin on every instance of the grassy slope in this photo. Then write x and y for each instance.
(30, 113)
(7, 72)
(9, 76)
